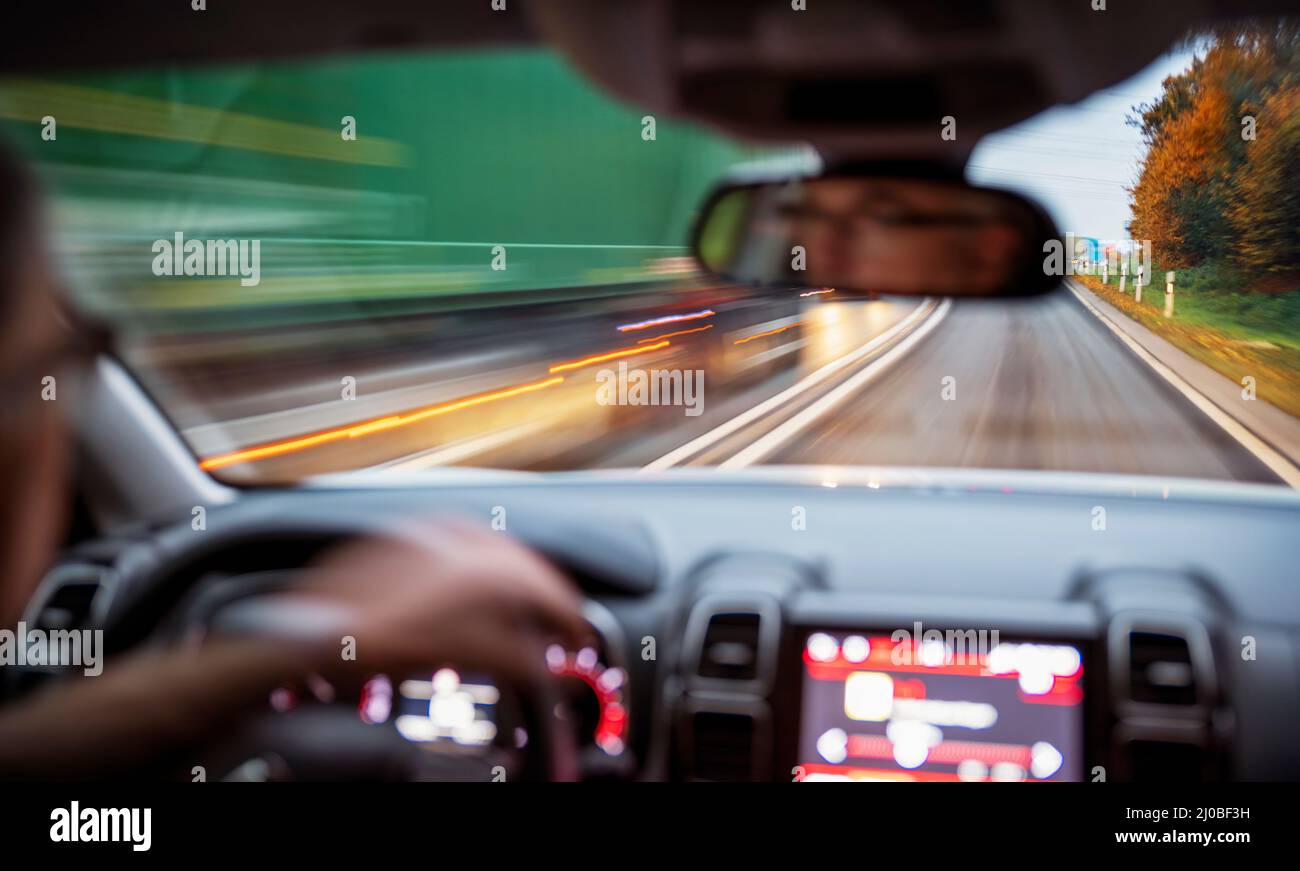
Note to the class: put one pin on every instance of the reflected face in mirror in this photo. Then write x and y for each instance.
(871, 235)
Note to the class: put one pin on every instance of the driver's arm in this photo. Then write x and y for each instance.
(143, 706)
(446, 593)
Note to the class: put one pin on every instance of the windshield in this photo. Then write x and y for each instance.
(398, 263)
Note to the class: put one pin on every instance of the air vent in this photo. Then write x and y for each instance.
(730, 647)
(66, 597)
(1161, 671)
(730, 644)
(1165, 694)
(728, 662)
(68, 607)
(65, 600)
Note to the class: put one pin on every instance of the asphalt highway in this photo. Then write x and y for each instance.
(1032, 385)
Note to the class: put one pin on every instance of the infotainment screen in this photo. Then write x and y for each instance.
(932, 706)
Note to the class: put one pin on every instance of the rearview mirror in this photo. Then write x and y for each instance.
(869, 235)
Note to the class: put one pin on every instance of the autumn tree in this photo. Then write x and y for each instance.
(1219, 179)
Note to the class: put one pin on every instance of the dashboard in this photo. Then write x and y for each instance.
(766, 626)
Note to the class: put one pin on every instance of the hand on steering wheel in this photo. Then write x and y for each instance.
(408, 602)
(448, 593)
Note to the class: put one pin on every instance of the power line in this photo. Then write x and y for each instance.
(1122, 95)
(1071, 196)
(1012, 134)
(1068, 109)
(1059, 190)
(1093, 179)
(1081, 155)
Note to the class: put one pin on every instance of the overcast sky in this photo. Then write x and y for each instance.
(1077, 160)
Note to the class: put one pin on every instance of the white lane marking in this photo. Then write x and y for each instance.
(810, 415)
(1265, 453)
(747, 417)
(457, 451)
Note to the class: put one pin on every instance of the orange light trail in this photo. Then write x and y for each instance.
(668, 319)
(818, 292)
(678, 333)
(612, 355)
(371, 426)
(768, 333)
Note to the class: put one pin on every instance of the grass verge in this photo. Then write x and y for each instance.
(1236, 334)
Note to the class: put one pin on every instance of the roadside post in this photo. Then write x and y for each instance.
(1137, 286)
(1105, 272)
(1123, 276)
(1169, 294)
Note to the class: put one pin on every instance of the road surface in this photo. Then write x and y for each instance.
(1035, 385)
(1038, 385)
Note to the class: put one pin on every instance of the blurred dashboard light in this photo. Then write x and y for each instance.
(822, 647)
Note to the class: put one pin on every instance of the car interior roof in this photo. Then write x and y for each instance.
(852, 76)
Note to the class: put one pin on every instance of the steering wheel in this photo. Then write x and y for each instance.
(184, 600)
(324, 738)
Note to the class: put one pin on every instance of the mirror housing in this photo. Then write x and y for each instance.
(877, 234)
